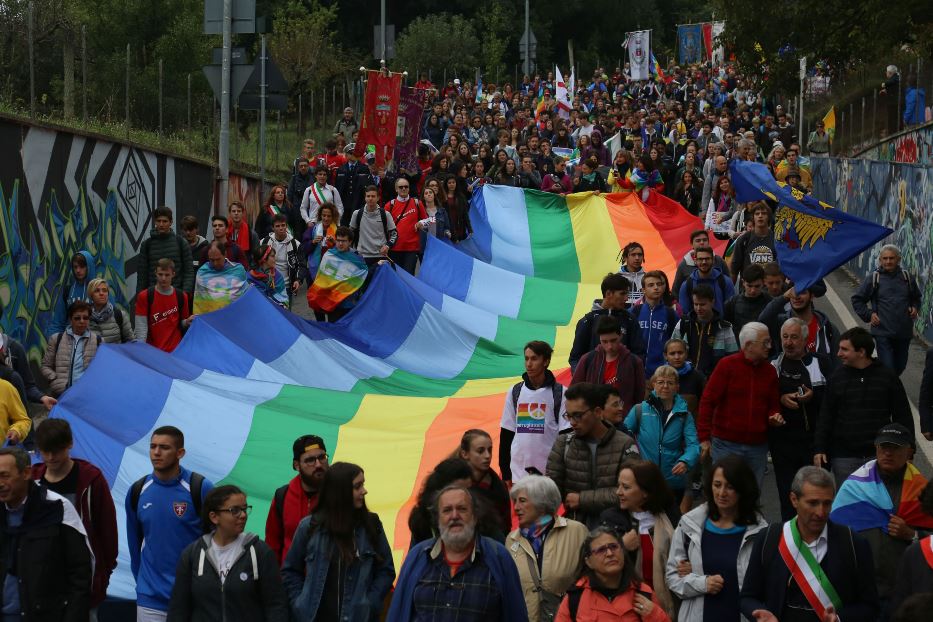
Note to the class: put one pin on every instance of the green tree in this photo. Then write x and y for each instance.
(440, 41)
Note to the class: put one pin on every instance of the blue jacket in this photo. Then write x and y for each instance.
(721, 284)
(666, 442)
(168, 523)
(657, 326)
(496, 557)
(915, 106)
(72, 290)
(367, 580)
(442, 226)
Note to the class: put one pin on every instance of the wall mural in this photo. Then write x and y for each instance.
(899, 196)
(61, 193)
(914, 147)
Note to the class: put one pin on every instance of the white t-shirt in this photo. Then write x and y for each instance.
(226, 556)
(536, 428)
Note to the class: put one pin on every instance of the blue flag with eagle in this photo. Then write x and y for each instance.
(811, 238)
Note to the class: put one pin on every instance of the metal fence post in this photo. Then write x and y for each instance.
(862, 129)
(160, 95)
(311, 113)
(127, 90)
(333, 98)
(278, 114)
(841, 130)
(298, 126)
(189, 102)
(236, 131)
(323, 107)
(851, 123)
(874, 110)
(84, 73)
(32, 62)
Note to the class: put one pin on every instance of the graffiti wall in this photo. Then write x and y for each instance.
(899, 196)
(61, 193)
(913, 147)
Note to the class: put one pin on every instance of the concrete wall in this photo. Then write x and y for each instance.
(910, 147)
(62, 192)
(899, 196)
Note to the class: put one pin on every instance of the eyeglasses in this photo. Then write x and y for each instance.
(405, 187)
(600, 551)
(236, 511)
(322, 458)
(576, 416)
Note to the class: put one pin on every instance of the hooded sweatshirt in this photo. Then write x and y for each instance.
(72, 291)
(688, 265)
(723, 289)
(286, 256)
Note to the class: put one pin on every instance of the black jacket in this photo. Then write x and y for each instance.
(585, 338)
(13, 357)
(252, 592)
(914, 575)
(51, 558)
(926, 395)
(858, 402)
(847, 563)
(350, 181)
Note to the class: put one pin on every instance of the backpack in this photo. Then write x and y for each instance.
(557, 394)
(574, 595)
(180, 298)
(5, 347)
(720, 284)
(876, 280)
(278, 500)
(197, 482)
(358, 215)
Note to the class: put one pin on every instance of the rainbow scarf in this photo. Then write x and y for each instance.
(642, 179)
(215, 289)
(314, 257)
(339, 276)
(863, 501)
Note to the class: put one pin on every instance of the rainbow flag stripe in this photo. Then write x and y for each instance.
(393, 385)
(339, 275)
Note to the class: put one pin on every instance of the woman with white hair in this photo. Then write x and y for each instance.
(545, 547)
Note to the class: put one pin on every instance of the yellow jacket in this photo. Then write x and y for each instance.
(12, 412)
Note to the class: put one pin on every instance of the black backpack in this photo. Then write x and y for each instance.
(358, 215)
(197, 482)
(179, 297)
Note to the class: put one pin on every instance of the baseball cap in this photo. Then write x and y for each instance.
(894, 434)
(306, 443)
(456, 80)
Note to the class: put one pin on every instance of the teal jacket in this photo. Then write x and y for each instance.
(665, 442)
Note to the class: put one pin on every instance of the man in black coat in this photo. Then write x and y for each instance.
(43, 546)
(615, 288)
(842, 560)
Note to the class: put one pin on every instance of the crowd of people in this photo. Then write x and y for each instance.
(634, 493)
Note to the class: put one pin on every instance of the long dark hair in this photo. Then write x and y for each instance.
(742, 479)
(335, 512)
(648, 476)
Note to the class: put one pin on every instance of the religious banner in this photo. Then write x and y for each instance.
(690, 44)
(707, 28)
(408, 132)
(378, 126)
(718, 56)
(639, 54)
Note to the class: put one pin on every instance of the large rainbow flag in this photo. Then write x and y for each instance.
(393, 385)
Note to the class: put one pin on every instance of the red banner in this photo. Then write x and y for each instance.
(380, 115)
(708, 39)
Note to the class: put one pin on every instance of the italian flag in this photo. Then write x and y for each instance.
(806, 571)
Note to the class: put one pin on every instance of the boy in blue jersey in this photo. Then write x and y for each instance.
(655, 319)
(162, 518)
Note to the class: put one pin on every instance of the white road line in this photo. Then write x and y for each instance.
(850, 321)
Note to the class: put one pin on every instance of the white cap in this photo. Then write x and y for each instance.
(456, 80)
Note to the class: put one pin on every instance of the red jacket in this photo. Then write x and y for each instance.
(94, 504)
(737, 401)
(630, 374)
(281, 529)
(594, 607)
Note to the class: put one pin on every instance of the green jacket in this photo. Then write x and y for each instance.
(167, 245)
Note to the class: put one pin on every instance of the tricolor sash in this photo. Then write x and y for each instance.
(926, 547)
(806, 571)
(318, 194)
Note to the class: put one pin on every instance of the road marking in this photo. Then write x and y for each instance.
(850, 321)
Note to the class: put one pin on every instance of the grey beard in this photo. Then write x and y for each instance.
(458, 541)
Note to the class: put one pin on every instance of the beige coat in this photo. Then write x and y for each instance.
(661, 538)
(561, 561)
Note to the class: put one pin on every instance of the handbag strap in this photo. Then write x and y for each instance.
(535, 575)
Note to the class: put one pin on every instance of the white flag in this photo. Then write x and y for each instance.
(562, 95)
(718, 54)
(613, 145)
(639, 54)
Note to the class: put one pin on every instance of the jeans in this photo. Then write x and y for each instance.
(756, 456)
(145, 614)
(406, 260)
(893, 352)
(842, 468)
(788, 455)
